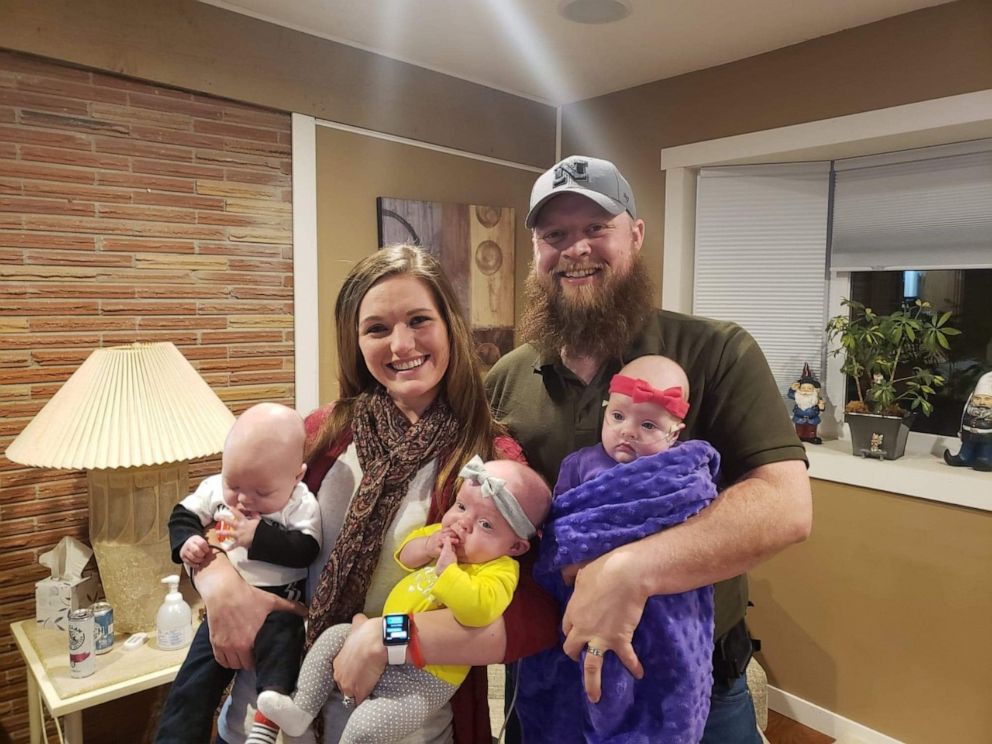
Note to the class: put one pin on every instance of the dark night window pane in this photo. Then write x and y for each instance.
(967, 293)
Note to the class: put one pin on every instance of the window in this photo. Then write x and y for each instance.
(761, 243)
(965, 293)
(902, 225)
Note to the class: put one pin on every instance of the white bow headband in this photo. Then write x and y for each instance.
(495, 489)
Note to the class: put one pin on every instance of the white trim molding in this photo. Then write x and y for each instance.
(425, 145)
(306, 342)
(843, 730)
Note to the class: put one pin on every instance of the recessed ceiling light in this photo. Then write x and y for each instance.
(594, 11)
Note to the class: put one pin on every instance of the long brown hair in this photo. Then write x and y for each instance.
(462, 382)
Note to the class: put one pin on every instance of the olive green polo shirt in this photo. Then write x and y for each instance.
(734, 405)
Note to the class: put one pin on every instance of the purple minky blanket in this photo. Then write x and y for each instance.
(674, 639)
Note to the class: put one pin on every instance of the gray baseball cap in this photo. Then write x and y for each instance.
(596, 179)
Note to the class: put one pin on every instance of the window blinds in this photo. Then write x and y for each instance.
(761, 241)
(917, 209)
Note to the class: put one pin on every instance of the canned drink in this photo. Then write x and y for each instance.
(82, 659)
(103, 623)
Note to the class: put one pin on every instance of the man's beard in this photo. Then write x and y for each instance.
(599, 320)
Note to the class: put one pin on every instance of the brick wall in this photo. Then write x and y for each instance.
(128, 212)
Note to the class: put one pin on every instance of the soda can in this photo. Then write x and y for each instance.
(82, 659)
(103, 622)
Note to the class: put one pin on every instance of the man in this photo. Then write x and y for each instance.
(589, 311)
(805, 392)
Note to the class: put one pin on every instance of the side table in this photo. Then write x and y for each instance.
(118, 674)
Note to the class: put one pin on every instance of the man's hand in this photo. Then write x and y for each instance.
(236, 611)
(602, 614)
(362, 660)
(569, 572)
(196, 552)
(240, 529)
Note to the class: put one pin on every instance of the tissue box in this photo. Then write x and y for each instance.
(55, 598)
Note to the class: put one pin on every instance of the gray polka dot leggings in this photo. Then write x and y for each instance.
(401, 702)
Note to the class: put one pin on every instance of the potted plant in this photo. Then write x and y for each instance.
(892, 360)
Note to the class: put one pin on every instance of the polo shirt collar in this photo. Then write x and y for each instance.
(645, 343)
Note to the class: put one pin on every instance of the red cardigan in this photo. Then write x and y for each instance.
(531, 620)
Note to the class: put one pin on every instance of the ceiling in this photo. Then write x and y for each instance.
(524, 47)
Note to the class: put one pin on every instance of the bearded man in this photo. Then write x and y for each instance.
(590, 311)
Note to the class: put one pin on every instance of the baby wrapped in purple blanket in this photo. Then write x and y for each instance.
(606, 496)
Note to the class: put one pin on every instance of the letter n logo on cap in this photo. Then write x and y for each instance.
(577, 170)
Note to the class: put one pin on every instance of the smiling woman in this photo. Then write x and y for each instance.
(383, 462)
(404, 341)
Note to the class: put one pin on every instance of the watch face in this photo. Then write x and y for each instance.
(395, 630)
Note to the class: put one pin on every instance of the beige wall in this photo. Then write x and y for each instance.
(883, 615)
(918, 56)
(880, 617)
(352, 170)
(200, 47)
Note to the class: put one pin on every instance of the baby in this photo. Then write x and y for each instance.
(268, 523)
(464, 563)
(637, 482)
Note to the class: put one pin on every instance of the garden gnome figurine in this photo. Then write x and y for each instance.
(805, 392)
(976, 429)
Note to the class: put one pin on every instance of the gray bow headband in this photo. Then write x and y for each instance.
(495, 489)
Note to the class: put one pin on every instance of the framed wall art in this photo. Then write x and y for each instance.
(474, 244)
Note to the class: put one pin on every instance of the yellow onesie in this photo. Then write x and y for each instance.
(477, 594)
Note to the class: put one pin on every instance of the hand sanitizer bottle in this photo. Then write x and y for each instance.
(174, 621)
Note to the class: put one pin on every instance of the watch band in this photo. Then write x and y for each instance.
(396, 654)
(416, 657)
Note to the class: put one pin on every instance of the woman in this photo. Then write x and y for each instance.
(383, 461)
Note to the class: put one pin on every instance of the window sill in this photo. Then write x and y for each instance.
(921, 472)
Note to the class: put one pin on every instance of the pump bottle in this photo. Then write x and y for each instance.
(174, 621)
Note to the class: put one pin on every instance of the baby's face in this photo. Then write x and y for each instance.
(256, 486)
(483, 533)
(632, 430)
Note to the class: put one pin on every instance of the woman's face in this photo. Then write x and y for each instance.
(404, 341)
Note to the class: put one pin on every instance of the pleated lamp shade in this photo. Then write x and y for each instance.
(126, 406)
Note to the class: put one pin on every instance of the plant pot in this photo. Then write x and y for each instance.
(878, 436)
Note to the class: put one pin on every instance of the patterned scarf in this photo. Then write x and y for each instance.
(390, 450)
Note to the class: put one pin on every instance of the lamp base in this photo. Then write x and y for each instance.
(129, 531)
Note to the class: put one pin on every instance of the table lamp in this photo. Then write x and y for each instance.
(131, 416)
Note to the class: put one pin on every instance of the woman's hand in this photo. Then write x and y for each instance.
(602, 614)
(236, 611)
(362, 660)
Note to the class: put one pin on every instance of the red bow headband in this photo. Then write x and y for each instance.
(641, 392)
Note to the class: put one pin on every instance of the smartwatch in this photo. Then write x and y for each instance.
(396, 637)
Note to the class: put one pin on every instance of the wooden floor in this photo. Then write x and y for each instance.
(782, 730)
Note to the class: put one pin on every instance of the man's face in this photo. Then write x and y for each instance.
(578, 246)
(807, 388)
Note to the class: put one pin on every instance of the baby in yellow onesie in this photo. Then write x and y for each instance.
(466, 564)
